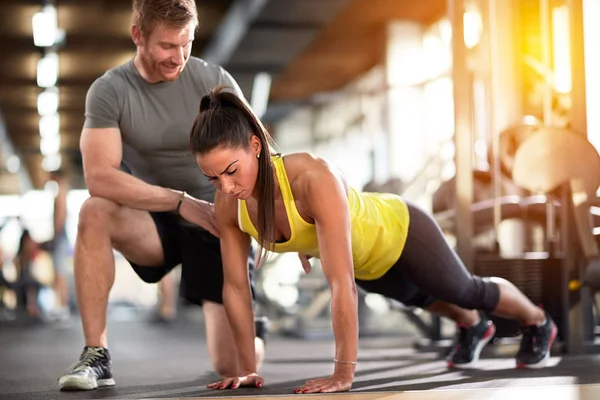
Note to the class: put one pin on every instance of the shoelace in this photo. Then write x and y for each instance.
(88, 358)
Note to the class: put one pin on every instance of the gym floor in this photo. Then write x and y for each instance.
(171, 362)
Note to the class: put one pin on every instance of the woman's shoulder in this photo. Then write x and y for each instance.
(304, 163)
(303, 169)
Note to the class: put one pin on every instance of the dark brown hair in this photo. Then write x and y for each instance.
(226, 121)
(174, 13)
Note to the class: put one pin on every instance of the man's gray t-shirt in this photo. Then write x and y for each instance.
(155, 120)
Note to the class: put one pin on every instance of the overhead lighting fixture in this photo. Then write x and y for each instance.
(13, 164)
(47, 70)
(51, 162)
(50, 125)
(260, 93)
(51, 187)
(50, 145)
(45, 27)
(47, 103)
(473, 27)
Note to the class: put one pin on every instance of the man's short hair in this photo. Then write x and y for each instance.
(173, 13)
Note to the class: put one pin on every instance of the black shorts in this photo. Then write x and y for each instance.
(199, 254)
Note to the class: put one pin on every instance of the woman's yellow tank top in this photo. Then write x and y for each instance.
(379, 228)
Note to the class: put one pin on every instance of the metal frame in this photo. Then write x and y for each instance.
(463, 135)
(232, 30)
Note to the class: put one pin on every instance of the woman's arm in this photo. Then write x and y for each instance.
(237, 296)
(325, 199)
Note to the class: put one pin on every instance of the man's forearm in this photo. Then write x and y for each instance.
(344, 311)
(238, 305)
(130, 191)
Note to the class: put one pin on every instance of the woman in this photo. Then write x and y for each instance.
(298, 203)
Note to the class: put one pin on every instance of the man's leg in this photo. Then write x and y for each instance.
(202, 283)
(104, 225)
(167, 303)
(222, 348)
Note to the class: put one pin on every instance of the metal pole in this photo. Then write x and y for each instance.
(551, 233)
(580, 328)
(578, 92)
(463, 135)
(494, 65)
(546, 61)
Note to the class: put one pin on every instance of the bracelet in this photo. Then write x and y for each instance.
(344, 362)
(180, 201)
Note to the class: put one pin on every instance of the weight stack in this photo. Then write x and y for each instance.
(538, 276)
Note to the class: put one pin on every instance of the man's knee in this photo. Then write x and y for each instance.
(96, 213)
(226, 365)
(220, 340)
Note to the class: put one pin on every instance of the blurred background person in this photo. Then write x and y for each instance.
(59, 246)
(27, 285)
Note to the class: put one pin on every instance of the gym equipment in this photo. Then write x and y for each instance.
(531, 209)
(591, 278)
(553, 157)
(566, 167)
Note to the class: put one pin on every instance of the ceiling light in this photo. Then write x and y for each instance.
(47, 70)
(45, 27)
(473, 28)
(51, 187)
(49, 125)
(51, 162)
(47, 103)
(260, 93)
(13, 164)
(50, 145)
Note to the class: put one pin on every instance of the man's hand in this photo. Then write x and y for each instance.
(199, 212)
(235, 382)
(305, 263)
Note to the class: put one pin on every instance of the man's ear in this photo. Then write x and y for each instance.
(136, 35)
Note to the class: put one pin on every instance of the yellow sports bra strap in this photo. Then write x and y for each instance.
(284, 184)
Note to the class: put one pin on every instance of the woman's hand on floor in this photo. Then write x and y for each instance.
(253, 380)
(326, 385)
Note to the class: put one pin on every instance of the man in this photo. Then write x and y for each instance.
(139, 116)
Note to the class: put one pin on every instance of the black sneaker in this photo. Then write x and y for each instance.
(90, 372)
(536, 342)
(469, 343)
(261, 328)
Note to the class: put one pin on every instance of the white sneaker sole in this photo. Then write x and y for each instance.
(543, 363)
(83, 383)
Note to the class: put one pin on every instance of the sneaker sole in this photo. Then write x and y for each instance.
(75, 383)
(489, 334)
(544, 361)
